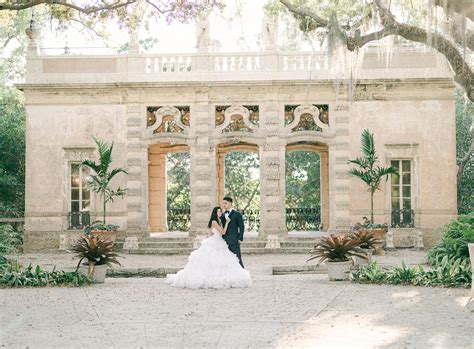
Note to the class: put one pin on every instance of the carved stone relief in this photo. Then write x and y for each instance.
(237, 118)
(309, 117)
(168, 119)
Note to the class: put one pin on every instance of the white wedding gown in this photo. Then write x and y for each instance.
(211, 266)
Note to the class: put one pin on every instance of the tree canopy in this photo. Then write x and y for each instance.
(446, 26)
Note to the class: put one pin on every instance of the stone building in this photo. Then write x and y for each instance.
(208, 104)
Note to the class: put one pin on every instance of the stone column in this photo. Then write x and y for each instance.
(157, 212)
(137, 165)
(324, 171)
(272, 171)
(203, 165)
(339, 183)
(220, 171)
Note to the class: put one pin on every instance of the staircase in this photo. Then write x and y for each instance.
(184, 245)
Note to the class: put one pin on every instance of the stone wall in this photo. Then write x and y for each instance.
(411, 119)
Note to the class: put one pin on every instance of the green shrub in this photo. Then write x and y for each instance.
(371, 273)
(11, 275)
(457, 234)
(9, 239)
(447, 272)
(402, 275)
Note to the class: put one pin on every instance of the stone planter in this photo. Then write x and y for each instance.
(110, 235)
(362, 261)
(471, 256)
(98, 275)
(338, 271)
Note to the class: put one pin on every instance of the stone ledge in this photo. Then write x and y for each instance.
(141, 272)
(299, 269)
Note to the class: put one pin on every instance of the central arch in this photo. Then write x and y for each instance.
(323, 151)
(251, 216)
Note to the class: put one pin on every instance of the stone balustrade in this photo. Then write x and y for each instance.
(403, 63)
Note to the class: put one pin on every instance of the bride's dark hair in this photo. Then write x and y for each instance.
(214, 216)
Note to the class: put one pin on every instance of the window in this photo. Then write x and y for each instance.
(402, 213)
(80, 192)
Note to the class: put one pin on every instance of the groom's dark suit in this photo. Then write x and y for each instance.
(234, 233)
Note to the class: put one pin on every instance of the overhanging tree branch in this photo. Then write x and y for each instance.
(87, 9)
(464, 75)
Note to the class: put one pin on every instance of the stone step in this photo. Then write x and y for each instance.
(166, 244)
(305, 244)
(168, 239)
(312, 239)
(245, 250)
(160, 251)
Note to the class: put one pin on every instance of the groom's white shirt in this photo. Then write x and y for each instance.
(227, 214)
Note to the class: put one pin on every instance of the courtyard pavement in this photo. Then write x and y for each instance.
(283, 311)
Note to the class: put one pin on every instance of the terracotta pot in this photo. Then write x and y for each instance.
(110, 235)
(338, 271)
(379, 234)
(98, 274)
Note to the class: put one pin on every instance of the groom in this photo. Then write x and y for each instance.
(235, 230)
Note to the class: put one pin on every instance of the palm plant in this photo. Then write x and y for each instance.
(336, 248)
(100, 180)
(369, 172)
(96, 251)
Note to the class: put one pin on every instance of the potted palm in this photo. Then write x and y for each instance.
(371, 174)
(98, 254)
(99, 181)
(337, 250)
(368, 242)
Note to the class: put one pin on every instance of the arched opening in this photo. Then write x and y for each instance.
(169, 188)
(238, 175)
(307, 187)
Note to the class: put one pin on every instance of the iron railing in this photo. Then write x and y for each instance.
(78, 220)
(403, 218)
(179, 219)
(303, 218)
(300, 218)
(251, 220)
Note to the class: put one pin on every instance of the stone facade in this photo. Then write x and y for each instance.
(409, 107)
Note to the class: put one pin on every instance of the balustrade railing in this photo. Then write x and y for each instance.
(236, 62)
(179, 219)
(170, 64)
(78, 220)
(303, 218)
(403, 218)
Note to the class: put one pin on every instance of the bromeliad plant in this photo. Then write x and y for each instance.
(367, 239)
(336, 248)
(368, 170)
(96, 251)
(103, 175)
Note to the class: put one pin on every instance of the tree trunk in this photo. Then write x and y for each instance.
(372, 206)
(105, 203)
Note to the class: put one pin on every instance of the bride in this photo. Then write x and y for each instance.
(212, 265)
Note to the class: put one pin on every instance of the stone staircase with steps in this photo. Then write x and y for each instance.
(184, 245)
